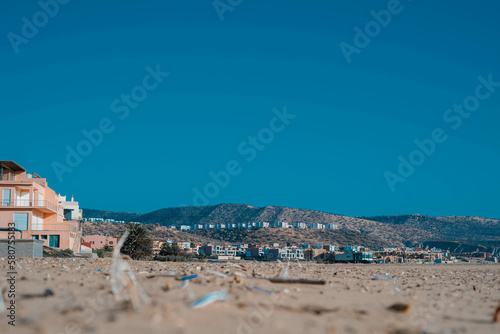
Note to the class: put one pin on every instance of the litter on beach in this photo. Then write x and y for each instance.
(209, 299)
(163, 275)
(46, 293)
(187, 278)
(384, 277)
(217, 274)
(260, 289)
(183, 285)
(123, 283)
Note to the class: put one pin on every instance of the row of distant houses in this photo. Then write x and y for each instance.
(229, 226)
(102, 220)
(314, 226)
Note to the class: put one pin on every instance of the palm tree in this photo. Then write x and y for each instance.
(139, 243)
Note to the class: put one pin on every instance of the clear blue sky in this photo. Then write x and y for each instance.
(353, 120)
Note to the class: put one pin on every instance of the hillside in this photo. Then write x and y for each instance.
(293, 237)
(239, 213)
(125, 216)
(407, 230)
(159, 232)
(461, 247)
(470, 229)
(234, 236)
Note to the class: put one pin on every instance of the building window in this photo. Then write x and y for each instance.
(6, 197)
(54, 241)
(21, 221)
(111, 242)
(35, 237)
(43, 237)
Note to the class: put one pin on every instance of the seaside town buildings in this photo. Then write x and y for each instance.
(36, 211)
(229, 226)
(99, 241)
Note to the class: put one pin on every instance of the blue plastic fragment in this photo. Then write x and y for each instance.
(260, 289)
(384, 277)
(187, 278)
(209, 299)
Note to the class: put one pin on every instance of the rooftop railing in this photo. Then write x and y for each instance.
(24, 178)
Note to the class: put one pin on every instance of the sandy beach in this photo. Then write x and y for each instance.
(458, 298)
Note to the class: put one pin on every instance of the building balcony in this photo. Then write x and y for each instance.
(20, 204)
(22, 179)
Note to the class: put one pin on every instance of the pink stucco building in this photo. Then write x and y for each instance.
(36, 210)
(99, 241)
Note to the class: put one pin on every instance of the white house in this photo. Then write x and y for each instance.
(317, 226)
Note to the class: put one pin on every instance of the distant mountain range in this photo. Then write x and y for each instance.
(409, 230)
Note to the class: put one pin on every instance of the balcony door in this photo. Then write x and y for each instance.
(22, 198)
(6, 197)
(25, 198)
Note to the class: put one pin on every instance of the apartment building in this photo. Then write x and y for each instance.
(36, 210)
(313, 253)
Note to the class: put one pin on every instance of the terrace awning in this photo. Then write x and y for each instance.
(12, 165)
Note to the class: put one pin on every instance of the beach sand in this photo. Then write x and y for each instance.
(445, 298)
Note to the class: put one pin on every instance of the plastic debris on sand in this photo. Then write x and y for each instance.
(209, 299)
(384, 276)
(260, 289)
(123, 283)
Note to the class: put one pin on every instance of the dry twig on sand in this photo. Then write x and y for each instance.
(297, 281)
(496, 316)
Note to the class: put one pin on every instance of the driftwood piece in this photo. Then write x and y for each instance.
(296, 281)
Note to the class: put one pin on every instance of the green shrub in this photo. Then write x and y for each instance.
(170, 250)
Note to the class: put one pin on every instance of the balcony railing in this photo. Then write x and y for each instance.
(24, 203)
(23, 178)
